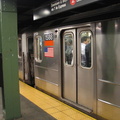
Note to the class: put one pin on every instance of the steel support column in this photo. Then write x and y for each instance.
(8, 50)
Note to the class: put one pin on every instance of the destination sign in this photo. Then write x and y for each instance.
(63, 5)
(60, 6)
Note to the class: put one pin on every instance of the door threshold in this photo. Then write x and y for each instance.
(77, 106)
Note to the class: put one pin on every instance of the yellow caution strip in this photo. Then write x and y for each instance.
(54, 107)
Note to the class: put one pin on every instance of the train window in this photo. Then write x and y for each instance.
(68, 48)
(19, 48)
(38, 42)
(85, 45)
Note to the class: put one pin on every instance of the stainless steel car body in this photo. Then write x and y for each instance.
(94, 89)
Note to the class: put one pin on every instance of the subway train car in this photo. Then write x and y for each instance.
(77, 61)
(26, 58)
(60, 69)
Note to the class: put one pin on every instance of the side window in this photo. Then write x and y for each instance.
(19, 48)
(38, 47)
(86, 50)
(68, 48)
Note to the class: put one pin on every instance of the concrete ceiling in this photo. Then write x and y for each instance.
(25, 10)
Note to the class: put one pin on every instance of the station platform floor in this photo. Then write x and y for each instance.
(36, 105)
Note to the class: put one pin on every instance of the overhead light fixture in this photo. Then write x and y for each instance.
(46, 12)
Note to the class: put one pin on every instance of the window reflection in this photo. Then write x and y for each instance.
(68, 39)
(86, 48)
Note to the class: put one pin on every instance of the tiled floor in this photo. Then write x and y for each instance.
(30, 111)
(55, 108)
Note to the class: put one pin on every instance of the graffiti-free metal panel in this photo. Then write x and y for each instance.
(108, 85)
(47, 70)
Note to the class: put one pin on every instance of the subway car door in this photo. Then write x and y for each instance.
(78, 77)
(30, 58)
(85, 67)
(69, 65)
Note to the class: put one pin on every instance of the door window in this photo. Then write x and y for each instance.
(38, 46)
(68, 48)
(85, 48)
(19, 48)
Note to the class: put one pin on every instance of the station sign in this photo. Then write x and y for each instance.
(59, 6)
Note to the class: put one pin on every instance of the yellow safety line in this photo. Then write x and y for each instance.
(54, 107)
